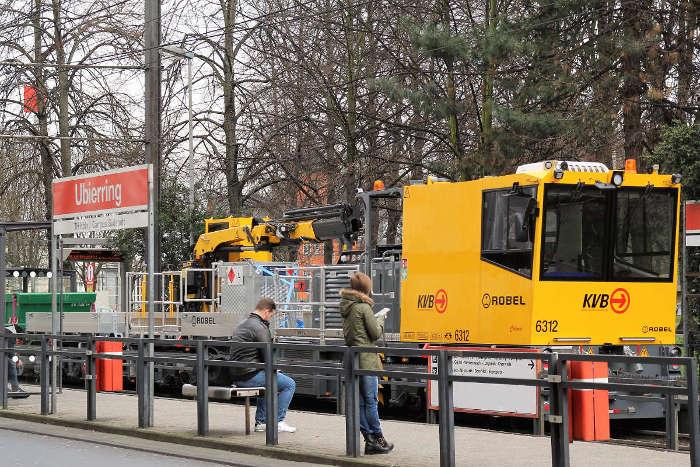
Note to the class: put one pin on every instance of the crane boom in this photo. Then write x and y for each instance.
(238, 238)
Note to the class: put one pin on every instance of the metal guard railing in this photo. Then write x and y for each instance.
(556, 380)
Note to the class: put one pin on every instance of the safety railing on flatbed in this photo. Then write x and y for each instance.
(556, 380)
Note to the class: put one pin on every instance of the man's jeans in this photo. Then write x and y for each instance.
(285, 387)
(369, 414)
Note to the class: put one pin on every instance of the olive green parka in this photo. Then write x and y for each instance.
(360, 326)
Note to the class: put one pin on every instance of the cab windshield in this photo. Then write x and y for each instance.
(624, 234)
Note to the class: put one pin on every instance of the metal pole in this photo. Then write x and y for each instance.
(58, 359)
(3, 273)
(671, 423)
(44, 375)
(4, 359)
(271, 402)
(152, 136)
(3, 339)
(152, 42)
(69, 65)
(447, 415)
(123, 293)
(70, 138)
(202, 390)
(369, 250)
(190, 164)
(559, 412)
(684, 286)
(693, 414)
(56, 282)
(352, 404)
(141, 385)
(149, 382)
(90, 379)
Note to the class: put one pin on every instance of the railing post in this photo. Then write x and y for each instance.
(447, 415)
(692, 372)
(90, 379)
(558, 411)
(4, 359)
(352, 404)
(44, 375)
(671, 422)
(141, 385)
(271, 402)
(202, 390)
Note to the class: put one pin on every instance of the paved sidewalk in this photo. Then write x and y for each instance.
(26, 443)
(321, 438)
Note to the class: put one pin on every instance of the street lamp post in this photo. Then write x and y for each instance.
(180, 52)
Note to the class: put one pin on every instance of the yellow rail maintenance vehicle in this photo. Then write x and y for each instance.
(565, 253)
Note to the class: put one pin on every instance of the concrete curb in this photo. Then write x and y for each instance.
(278, 452)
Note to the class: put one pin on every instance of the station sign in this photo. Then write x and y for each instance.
(485, 398)
(112, 200)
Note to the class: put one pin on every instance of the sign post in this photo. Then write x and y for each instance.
(690, 238)
(97, 202)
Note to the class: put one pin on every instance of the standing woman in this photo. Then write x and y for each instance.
(362, 328)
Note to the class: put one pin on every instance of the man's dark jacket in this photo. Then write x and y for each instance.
(253, 329)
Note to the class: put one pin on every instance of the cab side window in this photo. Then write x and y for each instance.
(507, 224)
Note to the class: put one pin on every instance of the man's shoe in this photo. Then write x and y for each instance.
(18, 393)
(259, 426)
(283, 427)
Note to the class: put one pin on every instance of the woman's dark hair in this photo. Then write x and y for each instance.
(361, 282)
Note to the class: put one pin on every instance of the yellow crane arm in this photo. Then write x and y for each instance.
(246, 236)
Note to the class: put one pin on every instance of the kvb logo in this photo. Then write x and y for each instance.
(618, 301)
(437, 301)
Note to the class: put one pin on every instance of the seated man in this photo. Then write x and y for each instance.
(256, 328)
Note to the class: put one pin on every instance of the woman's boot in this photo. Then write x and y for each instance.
(372, 446)
(383, 443)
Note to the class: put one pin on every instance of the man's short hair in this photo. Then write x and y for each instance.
(266, 304)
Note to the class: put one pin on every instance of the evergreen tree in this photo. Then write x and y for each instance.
(679, 152)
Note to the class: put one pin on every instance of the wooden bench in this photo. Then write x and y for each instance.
(227, 393)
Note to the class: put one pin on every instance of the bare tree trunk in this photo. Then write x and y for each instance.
(687, 25)
(62, 89)
(350, 125)
(42, 115)
(487, 155)
(631, 78)
(233, 181)
(463, 171)
(605, 86)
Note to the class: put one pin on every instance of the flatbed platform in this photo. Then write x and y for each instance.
(321, 438)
